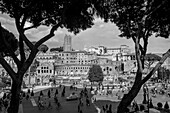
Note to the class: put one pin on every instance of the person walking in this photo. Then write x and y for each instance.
(49, 103)
(78, 108)
(110, 108)
(104, 109)
(49, 94)
(87, 102)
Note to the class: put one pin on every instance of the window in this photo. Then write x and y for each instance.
(45, 71)
(38, 71)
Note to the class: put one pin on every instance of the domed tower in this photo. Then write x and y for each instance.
(67, 43)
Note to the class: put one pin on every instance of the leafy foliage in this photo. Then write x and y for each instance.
(152, 15)
(139, 20)
(95, 74)
(43, 48)
(152, 57)
(59, 49)
(34, 66)
(73, 14)
(10, 39)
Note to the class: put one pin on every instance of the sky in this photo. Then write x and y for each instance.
(100, 34)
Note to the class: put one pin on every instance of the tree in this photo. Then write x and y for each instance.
(59, 49)
(9, 39)
(95, 74)
(139, 20)
(42, 47)
(34, 66)
(151, 59)
(74, 15)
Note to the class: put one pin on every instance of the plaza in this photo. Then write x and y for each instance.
(71, 106)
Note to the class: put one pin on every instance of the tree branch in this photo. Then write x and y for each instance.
(47, 37)
(165, 56)
(152, 11)
(8, 68)
(9, 48)
(21, 32)
(22, 53)
(24, 20)
(27, 63)
(137, 50)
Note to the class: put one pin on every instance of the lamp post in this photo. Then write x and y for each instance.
(146, 93)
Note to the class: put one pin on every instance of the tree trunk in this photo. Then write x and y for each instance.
(128, 98)
(15, 97)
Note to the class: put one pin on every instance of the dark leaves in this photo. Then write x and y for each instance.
(10, 39)
(95, 74)
(151, 15)
(75, 15)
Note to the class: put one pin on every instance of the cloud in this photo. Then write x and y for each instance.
(27, 24)
(6, 21)
(106, 34)
(158, 44)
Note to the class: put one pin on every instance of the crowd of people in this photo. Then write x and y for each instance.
(46, 101)
(84, 95)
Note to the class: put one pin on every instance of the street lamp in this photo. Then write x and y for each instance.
(146, 93)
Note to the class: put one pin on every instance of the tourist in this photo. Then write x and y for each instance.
(32, 93)
(49, 94)
(49, 103)
(107, 108)
(110, 108)
(81, 101)
(63, 92)
(56, 99)
(41, 93)
(78, 107)
(104, 109)
(27, 97)
(56, 92)
(87, 102)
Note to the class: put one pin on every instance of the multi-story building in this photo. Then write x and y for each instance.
(116, 54)
(72, 69)
(108, 66)
(113, 51)
(76, 57)
(93, 50)
(45, 70)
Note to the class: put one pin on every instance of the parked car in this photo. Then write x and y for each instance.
(72, 96)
